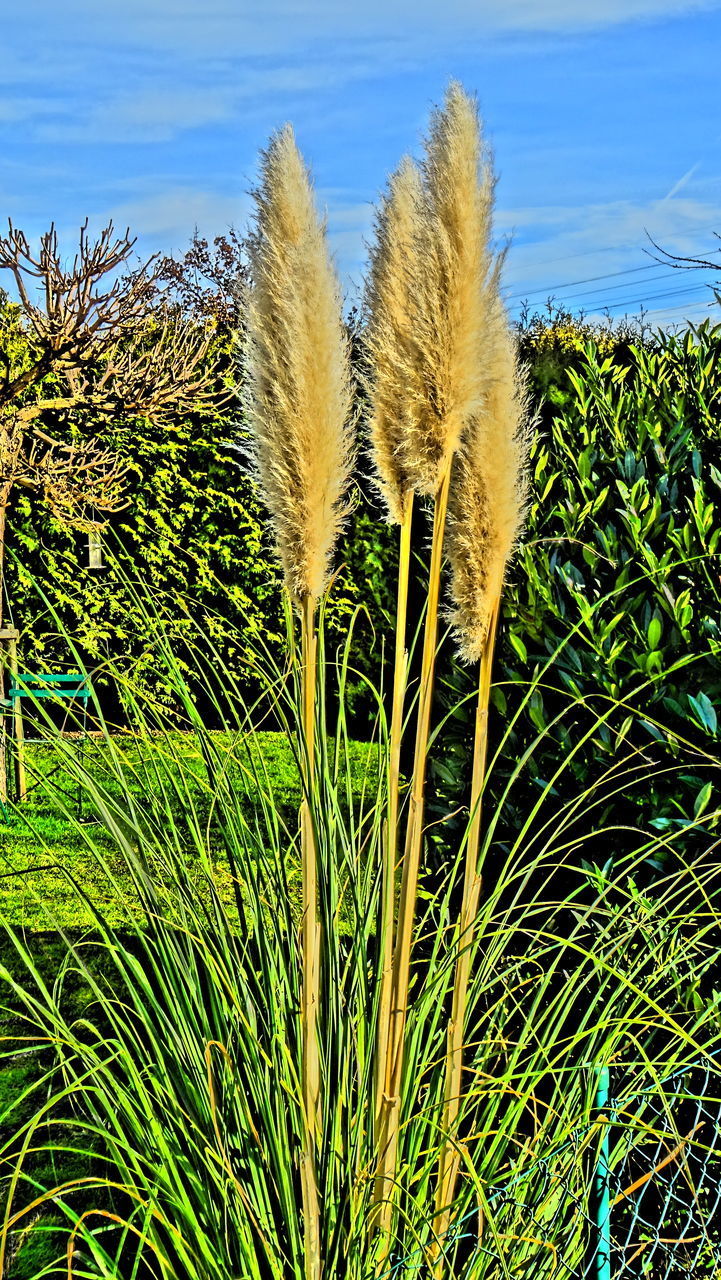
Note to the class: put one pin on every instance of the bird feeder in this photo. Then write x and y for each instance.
(95, 549)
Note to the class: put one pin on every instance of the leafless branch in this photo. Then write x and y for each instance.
(678, 261)
(77, 483)
(81, 316)
(115, 350)
(167, 373)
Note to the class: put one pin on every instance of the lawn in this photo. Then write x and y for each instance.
(48, 854)
(45, 851)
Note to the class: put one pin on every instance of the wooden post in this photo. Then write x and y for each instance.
(18, 729)
(9, 637)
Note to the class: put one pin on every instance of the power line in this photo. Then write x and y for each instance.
(589, 280)
(609, 248)
(658, 311)
(609, 275)
(663, 311)
(665, 293)
(638, 301)
(613, 288)
(584, 292)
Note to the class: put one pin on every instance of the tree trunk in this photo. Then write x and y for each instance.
(8, 658)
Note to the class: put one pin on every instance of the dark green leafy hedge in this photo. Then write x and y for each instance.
(620, 561)
(624, 510)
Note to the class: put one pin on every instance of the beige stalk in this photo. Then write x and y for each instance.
(395, 395)
(298, 404)
(310, 988)
(391, 835)
(486, 515)
(449, 1163)
(390, 1120)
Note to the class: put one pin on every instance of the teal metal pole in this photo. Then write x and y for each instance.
(601, 1183)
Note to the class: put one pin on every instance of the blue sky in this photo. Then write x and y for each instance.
(605, 117)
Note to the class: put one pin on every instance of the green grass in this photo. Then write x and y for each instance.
(21, 1066)
(56, 872)
(45, 853)
(166, 1051)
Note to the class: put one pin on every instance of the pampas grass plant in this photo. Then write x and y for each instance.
(298, 405)
(447, 315)
(395, 393)
(488, 499)
(180, 1077)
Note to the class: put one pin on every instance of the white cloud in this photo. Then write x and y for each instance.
(616, 223)
(168, 218)
(204, 28)
(146, 71)
(683, 181)
(149, 115)
(18, 110)
(162, 109)
(269, 26)
(155, 114)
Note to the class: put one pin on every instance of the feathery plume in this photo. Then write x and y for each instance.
(489, 489)
(393, 378)
(298, 391)
(450, 305)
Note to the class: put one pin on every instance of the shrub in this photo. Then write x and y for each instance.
(625, 508)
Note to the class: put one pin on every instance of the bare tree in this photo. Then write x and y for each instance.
(100, 345)
(207, 281)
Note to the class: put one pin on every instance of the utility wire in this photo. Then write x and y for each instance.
(611, 248)
(599, 300)
(663, 311)
(638, 300)
(662, 275)
(609, 275)
(629, 284)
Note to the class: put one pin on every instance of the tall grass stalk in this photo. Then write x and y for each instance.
(298, 406)
(390, 849)
(488, 505)
(445, 327)
(450, 1159)
(394, 1040)
(311, 947)
(394, 385)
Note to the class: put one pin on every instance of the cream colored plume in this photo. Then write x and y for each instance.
(298, 391)
(489, 489)
(451, 298)
(391, 289)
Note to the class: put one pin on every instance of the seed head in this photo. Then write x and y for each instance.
(489, 489)
(298, 390)
(450, 301)
(393, 383)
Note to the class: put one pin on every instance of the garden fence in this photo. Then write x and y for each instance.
(634, 1193)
